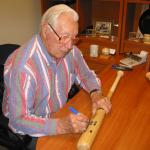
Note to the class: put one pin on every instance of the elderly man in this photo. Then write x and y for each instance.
(39, 75)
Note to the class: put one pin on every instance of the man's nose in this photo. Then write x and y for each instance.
(69, 45)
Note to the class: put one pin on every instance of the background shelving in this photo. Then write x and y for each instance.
(124, 15)
(133, 10)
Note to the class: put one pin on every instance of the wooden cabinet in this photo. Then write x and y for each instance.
(124, 16)
(91, 11)
(131, 14)
(100, 11)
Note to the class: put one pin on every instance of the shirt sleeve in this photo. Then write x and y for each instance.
(21, 105)
(86, 77)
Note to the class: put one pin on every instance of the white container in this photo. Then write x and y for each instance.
(94, 50)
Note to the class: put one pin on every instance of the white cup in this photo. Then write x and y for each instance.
(94, 50)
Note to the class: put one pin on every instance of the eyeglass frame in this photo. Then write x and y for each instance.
(59, 37)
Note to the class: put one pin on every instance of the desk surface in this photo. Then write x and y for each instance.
(126, 127)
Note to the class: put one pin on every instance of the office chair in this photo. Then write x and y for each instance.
(9, 139)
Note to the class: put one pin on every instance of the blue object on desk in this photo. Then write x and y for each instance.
(73, 110)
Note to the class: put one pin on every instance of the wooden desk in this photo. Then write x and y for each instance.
(126, 127)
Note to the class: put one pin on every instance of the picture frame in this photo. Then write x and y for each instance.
(103, 28)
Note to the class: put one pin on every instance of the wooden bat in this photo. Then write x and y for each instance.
(148, 75)
(88, 136)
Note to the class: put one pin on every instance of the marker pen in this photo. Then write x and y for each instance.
(73, 110)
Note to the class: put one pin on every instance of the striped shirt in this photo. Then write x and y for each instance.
(36, 86)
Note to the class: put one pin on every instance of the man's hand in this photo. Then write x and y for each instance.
(99, 101)
(72, 124)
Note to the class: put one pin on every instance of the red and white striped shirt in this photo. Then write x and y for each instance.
(36, 86)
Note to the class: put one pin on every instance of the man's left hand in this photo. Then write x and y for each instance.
(99, 101)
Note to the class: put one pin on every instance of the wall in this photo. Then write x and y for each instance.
(19, 20)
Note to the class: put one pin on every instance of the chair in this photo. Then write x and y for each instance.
(73, 91)
(8, 139)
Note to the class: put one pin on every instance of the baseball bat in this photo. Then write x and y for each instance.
(87, 138)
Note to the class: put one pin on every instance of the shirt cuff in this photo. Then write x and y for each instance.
(95, 90)
(51, 127)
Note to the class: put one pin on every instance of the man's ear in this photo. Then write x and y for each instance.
(44, 30)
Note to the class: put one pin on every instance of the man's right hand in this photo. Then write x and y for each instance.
(72, 124)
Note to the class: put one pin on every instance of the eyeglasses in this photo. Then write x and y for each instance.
(66, 38)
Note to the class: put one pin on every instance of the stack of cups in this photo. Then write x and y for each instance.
(146, 38)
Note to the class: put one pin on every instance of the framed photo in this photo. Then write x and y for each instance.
(103, 27)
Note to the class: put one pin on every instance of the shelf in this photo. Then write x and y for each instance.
(93, 11)
(100, 59)
(109, 0)
(98, 40)
(97, 64)
(138, 43)
(135, 46)
(132, 13)
(139, 1)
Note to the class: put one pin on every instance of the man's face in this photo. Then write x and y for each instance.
(60, 41)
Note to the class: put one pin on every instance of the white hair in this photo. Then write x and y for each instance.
(51, 15)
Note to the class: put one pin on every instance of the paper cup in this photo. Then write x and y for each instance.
(94, 50)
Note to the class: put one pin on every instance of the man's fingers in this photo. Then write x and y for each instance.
(79, 122)
(105, 104)
(94, 108)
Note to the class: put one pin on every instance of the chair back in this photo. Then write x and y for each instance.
(5, 51)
